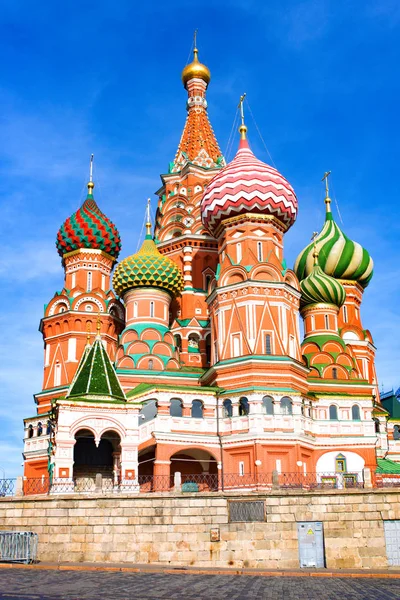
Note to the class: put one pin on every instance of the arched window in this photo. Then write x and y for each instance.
(148, 411)
(48, 428)
(151, 364)
(355, 412)
(333, 413)
(286, 406)
(326, 321)
(334, 372)
(243, 407)
(193, 342)
(377, 426)
(207, 283)
(238, 252)
(151, 309)
(396, 432)
(227, 408)
(57, 374)
(178, 342)
(259, 251)
(268, 405)
(30, 431)
(135, 310)
(197, 409)
(39, 429)
(268, 346)
(345, 314)
(175, 409)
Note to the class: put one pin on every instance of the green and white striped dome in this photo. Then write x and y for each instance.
(338, 256)
(319, 287)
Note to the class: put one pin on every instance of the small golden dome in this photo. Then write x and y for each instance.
(196, 69)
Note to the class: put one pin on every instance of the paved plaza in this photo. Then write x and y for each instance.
(25, 584)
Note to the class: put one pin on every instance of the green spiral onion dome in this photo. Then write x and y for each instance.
(320, 287)
(88, 227)
(148, 268)
(338, 256)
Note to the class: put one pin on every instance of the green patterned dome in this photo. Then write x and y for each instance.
(319, 287)
(338, 256)
(148, 268)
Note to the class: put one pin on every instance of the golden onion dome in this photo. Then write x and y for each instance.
(196, 70)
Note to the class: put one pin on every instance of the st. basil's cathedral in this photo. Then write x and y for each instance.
(189, 358)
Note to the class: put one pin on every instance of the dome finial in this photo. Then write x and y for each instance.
(242, 128)
(148, 221)
(90, 185)
(195, 69)
(327, 199)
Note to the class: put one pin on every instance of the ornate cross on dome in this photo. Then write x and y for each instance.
(327, 199)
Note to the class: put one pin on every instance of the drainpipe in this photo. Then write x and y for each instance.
(220, 446)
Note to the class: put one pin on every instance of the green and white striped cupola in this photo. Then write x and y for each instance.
(338, 256)
(319, 287)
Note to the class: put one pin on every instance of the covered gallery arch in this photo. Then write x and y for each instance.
(93, 456)
(198, 468)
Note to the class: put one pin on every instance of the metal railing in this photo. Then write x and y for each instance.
(7, 487)
(204, 482)
(18, 546)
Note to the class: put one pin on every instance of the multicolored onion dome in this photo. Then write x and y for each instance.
(88, 227)
(338, 256)
(196, 70)
(319, 287)
(247, 185)
(148, 268)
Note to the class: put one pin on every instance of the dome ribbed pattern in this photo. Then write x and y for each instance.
(247, 185)
(319, 287)
(88, 227)
(148, 268)
(338, 256)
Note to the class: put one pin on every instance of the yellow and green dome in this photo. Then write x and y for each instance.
(320, 287)
(338, 256)
(148, 268)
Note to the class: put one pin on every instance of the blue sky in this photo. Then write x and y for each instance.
(79, 77)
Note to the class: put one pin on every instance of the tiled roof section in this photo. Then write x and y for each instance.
(95, 375)
(198, 143)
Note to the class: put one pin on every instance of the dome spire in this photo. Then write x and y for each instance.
(148, 221)
(90, 185)
(327, 198)
(242, 129)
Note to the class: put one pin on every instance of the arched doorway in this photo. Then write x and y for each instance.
(198, 468)
(146, 458)
(89, 459)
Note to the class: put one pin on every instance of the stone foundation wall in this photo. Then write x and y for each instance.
(168, 529)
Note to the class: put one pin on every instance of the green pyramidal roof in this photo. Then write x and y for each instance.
(95, 375)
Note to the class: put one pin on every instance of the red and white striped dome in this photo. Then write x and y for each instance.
(247, 185)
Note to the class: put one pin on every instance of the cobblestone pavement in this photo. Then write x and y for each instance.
(95, 585)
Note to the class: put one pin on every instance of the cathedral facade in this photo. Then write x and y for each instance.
(189, 358)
